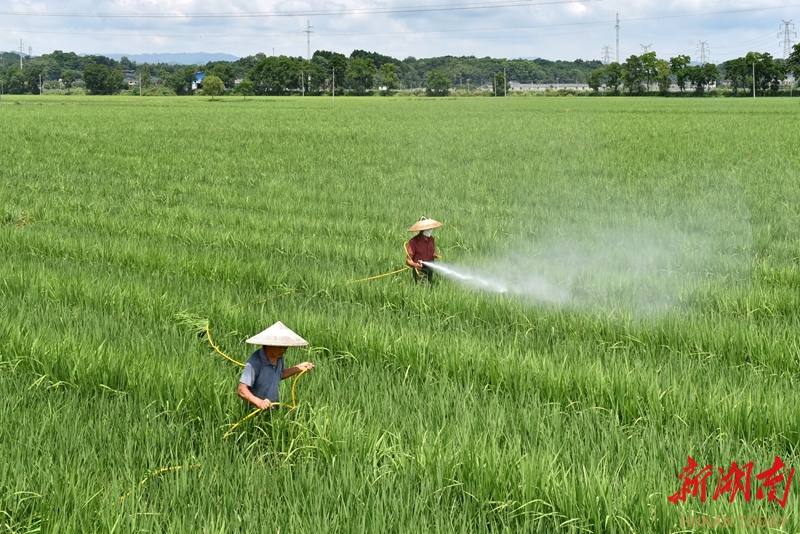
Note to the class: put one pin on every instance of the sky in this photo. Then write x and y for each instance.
(554, 29)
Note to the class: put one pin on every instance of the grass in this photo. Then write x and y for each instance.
(441, 410)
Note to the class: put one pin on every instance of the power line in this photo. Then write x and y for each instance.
(372, 11)
(588, 23)
(321, 12)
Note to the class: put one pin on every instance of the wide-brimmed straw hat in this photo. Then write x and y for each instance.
(278, 335)
(424, 223)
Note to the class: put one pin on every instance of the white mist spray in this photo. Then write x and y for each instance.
(643, 265)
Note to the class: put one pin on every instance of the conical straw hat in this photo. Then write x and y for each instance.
(424, 224)
(278, 335)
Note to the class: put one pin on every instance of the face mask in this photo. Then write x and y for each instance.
(427, 233)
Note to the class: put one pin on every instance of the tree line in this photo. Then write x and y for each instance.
(363, 73)
(359, 73)
(645, 74)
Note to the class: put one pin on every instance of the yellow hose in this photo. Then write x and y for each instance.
(408, 255)
(216, 348)
(156, 473)
(379, 276)
(254, 412)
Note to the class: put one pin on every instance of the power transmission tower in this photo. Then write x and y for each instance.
(704, 52)
(606, 55)
(308, 33)
(616, 26)
(645, 48)
(787, 37)
(21, 52)
(30, 52)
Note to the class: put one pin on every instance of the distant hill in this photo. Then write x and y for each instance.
(185, 58)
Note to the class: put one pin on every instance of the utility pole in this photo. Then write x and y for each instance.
(505, 84)
(333, 85)
(704, 52)
(617, 28)
(21, 51)
(606, 55)
(41, 85)
(754, 79)
(645, 48)
(787, 38)
(308, 34)
(140, 84)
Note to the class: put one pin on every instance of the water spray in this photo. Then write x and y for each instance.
(533, 285)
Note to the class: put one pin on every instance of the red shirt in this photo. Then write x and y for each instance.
(421, 248)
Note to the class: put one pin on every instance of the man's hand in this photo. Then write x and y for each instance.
(264, 404)
(305, 366)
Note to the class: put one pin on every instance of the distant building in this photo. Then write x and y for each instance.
(198, 81)
(516, 86)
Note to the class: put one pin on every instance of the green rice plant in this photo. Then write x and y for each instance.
(437, 408)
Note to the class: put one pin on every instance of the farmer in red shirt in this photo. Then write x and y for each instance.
(421, 248)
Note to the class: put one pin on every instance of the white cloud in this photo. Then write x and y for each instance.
(553, 31)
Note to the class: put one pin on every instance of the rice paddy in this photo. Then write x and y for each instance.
(127, 222)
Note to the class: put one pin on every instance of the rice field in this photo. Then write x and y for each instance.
(126, 224)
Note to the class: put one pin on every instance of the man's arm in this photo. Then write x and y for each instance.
(245, 393)
(299, 368)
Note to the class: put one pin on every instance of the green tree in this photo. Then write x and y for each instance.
(499, 84)
(769, 72)
(738, 72)
(437, 83)
(13, 80)
(633, 74)
(101, 80)
(275, 76)
(793, 61)
(115, 81)
(245, 88)
(662, 77)
(338, 68)
(678, 66)
(389, 78)
(224, 71)
(145, 77)
(613, 76)
(32, 76)
(703, 76)
(181, 81)
(649, 68)
(360, 75)
(212, 86)
(596, 79)
(67, 79)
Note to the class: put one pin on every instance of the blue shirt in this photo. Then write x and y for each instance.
(261, 376)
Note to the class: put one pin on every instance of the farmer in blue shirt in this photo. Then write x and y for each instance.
(264, 369)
